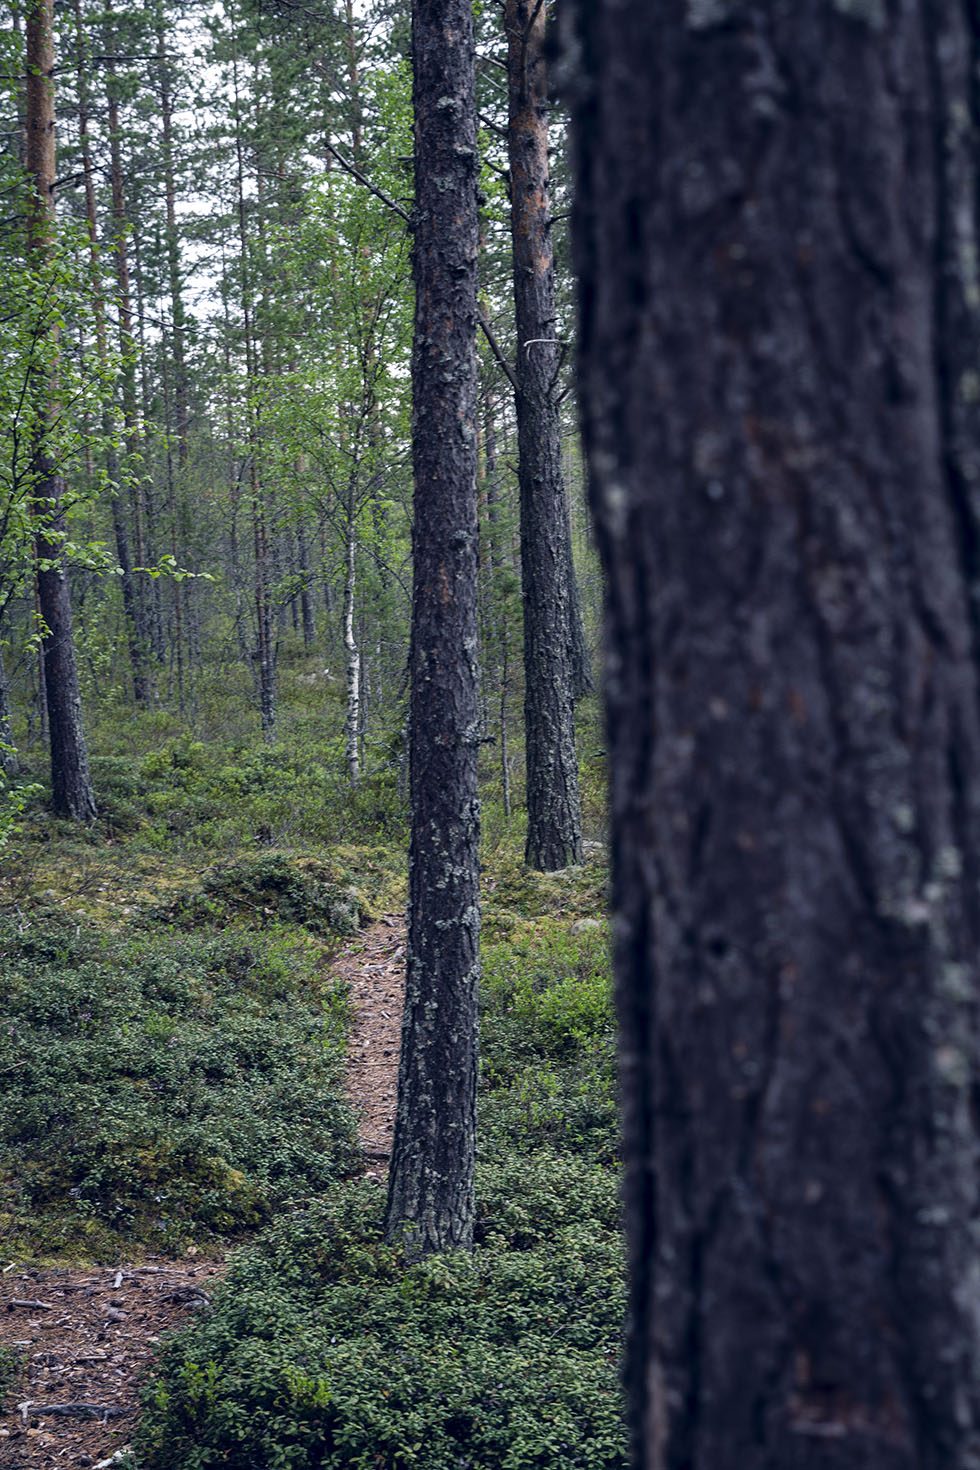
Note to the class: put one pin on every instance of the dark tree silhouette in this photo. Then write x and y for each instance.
(430, 1194)
(71, 786)
(554, 821)
(779, 302)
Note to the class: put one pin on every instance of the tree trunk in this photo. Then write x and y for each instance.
(137, 652)
(306, 590)
(580, 665)
(150, 594)
(72, 793)
(9, 763)
(127, 345)
(265, 641)
(780, 331)
(352, 652)
(499, 606)
(554, 818)
(178, 315)
(430, 1191)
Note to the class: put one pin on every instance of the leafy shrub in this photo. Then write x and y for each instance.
(549, 989)
(11, 1364)
(226, 796)
(164, 1087)
(325, 1351)
(272, 887)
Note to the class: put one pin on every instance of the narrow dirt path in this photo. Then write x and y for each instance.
(86, 1336)
(374, 969)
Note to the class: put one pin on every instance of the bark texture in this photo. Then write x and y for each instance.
(776, 239)
(554, 819)
(9, 763)
(72, 794)
(430, 1193)
(352, 650)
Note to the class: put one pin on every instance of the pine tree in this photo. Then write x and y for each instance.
(554, 820)
(779, 335)
(431, 1190)
(72, 793)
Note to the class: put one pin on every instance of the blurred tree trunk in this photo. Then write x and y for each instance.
(780, 331)
(430, 1190)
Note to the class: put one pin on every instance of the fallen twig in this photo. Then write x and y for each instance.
(73, 1411)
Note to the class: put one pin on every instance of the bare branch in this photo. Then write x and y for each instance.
(355, 173)
(496, 349)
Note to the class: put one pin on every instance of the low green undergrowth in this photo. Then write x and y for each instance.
(325, 1351)
(160, 1087)
(271, 887)
(11, 1366)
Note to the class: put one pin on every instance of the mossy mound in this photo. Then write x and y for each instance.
(271, 888)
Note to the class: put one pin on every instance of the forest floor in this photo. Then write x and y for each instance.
(200, 1002)
(88, 1335)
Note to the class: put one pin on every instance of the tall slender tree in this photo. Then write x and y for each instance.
(554, 820)
(431, 1192)
(137, 649)
(71, 784)
(780, 326)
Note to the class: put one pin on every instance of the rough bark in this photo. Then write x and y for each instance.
(72, 794)
(430, 1193)
(306, 588)
(9, 763)
(554, 819)
(775, 232)
(352, 652)
(265, 639)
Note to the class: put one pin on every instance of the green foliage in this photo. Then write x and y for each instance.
(11, 1365)
(324, 1350)
(206, 796)
(552, 984)
(46, 394)
(505, 1360)
(273, 887)
(16, 796)
(164, 1087)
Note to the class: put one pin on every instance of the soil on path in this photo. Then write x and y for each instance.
(374, 969)
(86, 1337)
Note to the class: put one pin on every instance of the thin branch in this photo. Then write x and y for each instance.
(496, 349)
(373, 188)
(533, 17)
(404, 214)
(494, 127)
